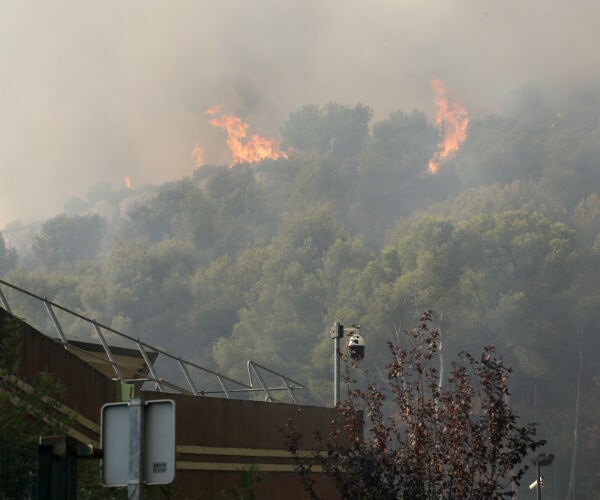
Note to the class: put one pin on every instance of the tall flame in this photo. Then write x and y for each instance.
(128, 183)
(244, 148)
(452, 120)
(198, 155)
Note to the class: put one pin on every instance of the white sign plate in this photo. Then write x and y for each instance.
(158, 443)
(114, 438)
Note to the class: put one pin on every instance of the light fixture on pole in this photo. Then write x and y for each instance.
(355, 348)
(337, 332)
(541, 460)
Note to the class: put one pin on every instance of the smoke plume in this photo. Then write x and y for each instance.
(92, 92)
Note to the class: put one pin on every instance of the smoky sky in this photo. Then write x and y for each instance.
(94, 91)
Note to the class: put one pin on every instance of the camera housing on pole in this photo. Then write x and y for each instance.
(356, 347)
(540, 460)
(355, 350)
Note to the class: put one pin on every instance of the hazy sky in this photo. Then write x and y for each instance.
(94, 91)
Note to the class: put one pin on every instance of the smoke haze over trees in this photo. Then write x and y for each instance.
(257, 261)
(95, 92)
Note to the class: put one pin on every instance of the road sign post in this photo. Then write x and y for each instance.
(136, 449)
(138, 442)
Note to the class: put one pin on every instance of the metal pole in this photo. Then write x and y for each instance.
(59, 329)
(187, 377)
(153, 374)
(136, 433)
(336, 371)
(268, 396)
(108, 352)
(337, 333)
(539, 483)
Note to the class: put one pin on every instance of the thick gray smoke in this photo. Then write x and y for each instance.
(94, 91)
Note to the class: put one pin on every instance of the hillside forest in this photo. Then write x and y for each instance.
(258, 260)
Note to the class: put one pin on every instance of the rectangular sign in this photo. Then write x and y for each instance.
(114, 438)
(158, 442)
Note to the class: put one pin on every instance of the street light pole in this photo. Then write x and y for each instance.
(337, 333)
(539, 482)
(540, 460)
(136, 452)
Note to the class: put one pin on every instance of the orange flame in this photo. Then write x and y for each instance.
(128, 183)
(198, 155)
(452, 120)
(244, 148)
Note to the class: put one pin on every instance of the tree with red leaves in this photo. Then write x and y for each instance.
(421, 439)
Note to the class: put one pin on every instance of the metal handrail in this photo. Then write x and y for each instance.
(288, 384)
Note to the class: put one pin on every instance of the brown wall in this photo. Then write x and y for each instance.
(236, 423)
(215, 436)
(86, 388)
(216, 429)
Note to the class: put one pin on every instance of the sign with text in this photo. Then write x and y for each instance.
(159, 442)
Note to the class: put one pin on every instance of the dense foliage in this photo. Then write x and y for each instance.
(438, 438)
(257, 261)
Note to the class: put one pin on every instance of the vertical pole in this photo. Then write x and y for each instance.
(336, 334)
(136, 433)
(539, 483)
(57, 468)
(336, 371)
(45, 483)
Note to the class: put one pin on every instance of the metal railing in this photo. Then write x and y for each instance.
(227, 385)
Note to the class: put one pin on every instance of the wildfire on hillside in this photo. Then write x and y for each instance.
(452, 119)
(244, 148)
(128, 183)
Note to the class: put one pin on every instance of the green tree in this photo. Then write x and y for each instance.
(240, 212)
(8, 257)
(334, 129)
(148, 288)
(179, 210)
(500, 150)
(64, 240)
(586, 219)
(405, 142)
(282, 317)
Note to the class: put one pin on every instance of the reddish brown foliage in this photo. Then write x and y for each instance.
(423, 441)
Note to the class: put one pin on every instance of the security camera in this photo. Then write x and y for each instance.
(356, 346)
(534, 485)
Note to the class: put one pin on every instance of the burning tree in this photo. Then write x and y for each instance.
(452, 120)
(423, 439)
(244, 148)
